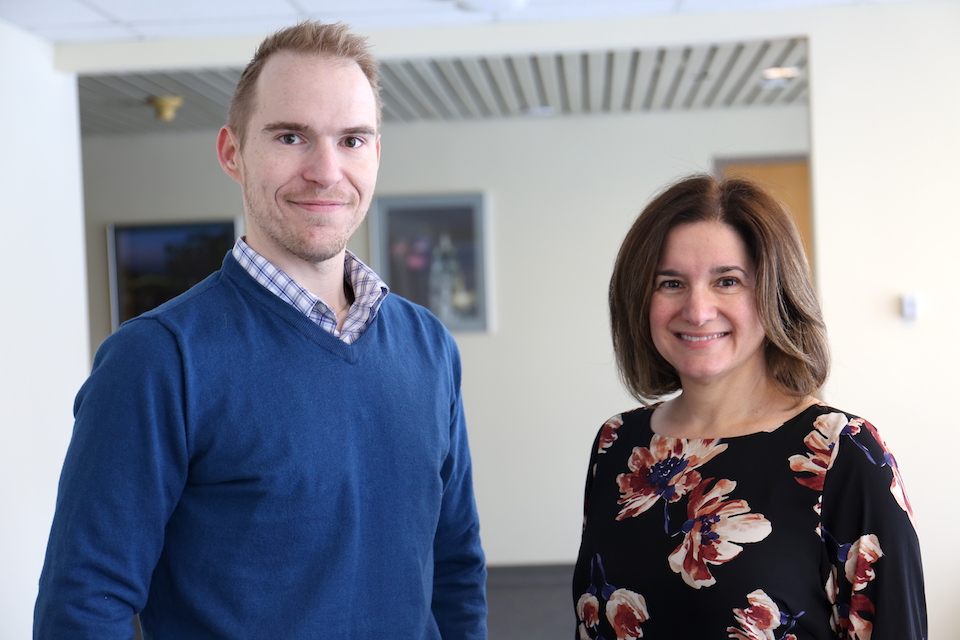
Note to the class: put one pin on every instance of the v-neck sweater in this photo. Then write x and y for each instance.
(237, 472)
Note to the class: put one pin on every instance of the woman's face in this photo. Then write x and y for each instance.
(703, 314)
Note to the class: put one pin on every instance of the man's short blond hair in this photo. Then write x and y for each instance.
(309, 38)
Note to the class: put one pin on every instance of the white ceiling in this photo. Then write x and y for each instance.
(701, 76)
(106, 20)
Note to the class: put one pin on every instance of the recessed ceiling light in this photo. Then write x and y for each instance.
(780, 73)
(772, 77)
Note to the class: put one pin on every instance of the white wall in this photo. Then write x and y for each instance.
(44, 354)
(886, 163)
(884, 140)
(562, 194)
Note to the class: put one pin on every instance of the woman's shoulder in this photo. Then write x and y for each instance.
(849, 430)
(843, 445)
(819, 407)
(825, 418)
(634, 422)
(633, 416)
(833, 423)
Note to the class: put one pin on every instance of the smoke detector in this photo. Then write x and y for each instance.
(491, 6)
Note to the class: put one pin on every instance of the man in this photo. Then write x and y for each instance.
(280, 452)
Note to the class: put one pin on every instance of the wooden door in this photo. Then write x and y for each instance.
(788, 180)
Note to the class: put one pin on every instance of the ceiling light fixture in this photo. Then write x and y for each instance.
(165, 106)
(779, 76)
(780, 73)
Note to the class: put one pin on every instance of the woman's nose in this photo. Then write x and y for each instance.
(699, 308)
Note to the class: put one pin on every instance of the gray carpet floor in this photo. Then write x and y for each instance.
(530, 603)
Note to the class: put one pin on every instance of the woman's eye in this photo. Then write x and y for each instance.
(353, 142)
(668, 284)
(290, 138)
(728, 282)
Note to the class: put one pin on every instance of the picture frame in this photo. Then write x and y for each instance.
(432, 250)
(152, 263)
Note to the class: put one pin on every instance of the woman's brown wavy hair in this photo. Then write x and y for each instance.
(796, 351)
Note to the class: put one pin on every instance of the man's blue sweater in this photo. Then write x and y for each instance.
(237, 472)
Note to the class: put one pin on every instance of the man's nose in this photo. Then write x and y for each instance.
(323, 164)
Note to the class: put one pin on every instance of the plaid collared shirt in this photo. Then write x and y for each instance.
(368, 292)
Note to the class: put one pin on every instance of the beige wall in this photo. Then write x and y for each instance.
(143, 179)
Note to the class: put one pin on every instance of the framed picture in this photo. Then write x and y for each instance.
(150, 264)
(432, 251)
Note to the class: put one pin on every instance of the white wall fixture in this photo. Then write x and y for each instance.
(910, 306)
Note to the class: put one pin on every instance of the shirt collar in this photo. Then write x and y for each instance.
(369, 290)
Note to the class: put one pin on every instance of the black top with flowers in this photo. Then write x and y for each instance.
(801, 532)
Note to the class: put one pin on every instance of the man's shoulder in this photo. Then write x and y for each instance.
(205, 319)
(203, 308)
(196, 301)
(399, 309)
(416, 329)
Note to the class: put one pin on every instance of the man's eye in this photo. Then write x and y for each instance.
(290, 138)
(353, 142)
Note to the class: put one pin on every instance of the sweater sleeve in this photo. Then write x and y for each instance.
(459, 583)
(876, 582)
(124, 471)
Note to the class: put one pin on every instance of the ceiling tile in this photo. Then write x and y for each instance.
(102, 32)
(236, 26)
(367, 6)
(698, 6)
(48, 13)
(185, 11)
(59, 20)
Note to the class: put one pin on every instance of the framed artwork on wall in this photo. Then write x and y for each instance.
(432, 251)
(152, 263)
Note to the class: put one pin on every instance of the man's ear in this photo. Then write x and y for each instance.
(228, 152)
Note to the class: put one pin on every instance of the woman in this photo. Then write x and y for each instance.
(741, 507)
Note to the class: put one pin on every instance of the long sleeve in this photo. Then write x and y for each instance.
(876, 583)
(123, 474)
(459, 587)
(802, 531)
(237, 472)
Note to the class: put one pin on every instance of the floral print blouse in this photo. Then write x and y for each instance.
(801, 532)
